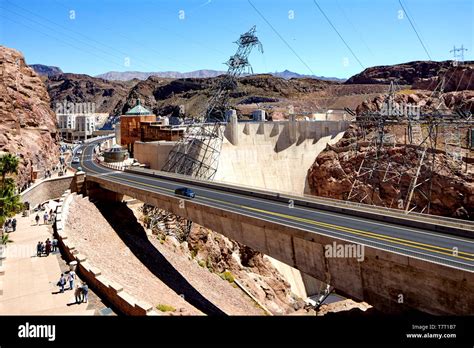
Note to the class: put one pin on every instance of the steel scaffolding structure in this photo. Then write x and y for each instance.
(197, 153)
(375, 156)
(423, 131)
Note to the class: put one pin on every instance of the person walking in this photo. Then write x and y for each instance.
(78, 294)
(39, 249)
(62, 282)
(55, 244)
(14, 224)
(45, 218)
(71, 276)
(37, 219)
(85, 292)
(47, 247)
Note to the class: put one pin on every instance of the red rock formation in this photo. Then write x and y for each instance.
(27, 124)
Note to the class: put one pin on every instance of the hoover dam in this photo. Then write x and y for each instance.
(266, 155)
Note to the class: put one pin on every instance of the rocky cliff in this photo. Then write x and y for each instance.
(105, 96)
(27, 123)
(334, 171)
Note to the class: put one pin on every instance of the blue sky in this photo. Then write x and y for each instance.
(152, 35)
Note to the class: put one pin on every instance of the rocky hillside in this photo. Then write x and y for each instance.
(107, 96)
(27, 123)
(193, 94)
(403, 74)
(226, 257)
(167, 96)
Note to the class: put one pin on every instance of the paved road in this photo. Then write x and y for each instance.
(425, 244)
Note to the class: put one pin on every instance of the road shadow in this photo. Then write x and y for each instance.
(125, 224)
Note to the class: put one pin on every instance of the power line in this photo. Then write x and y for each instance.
(340, 36)
(414, 29)
(98, 46)
(353, 27)
(459, 55)
(143, 44)
(281, 37)
(60, 40)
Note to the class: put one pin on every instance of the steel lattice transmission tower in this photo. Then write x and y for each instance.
(458, 54)
(237, 65)
(197, 153)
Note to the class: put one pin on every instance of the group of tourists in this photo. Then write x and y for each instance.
(47, 247)
(47, 217)
(81, 292)
(10, 225)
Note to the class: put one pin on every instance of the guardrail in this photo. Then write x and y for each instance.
(434, 223)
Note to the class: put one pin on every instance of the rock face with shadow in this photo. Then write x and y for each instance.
(124, 222)
(224, 256)
(27, 124)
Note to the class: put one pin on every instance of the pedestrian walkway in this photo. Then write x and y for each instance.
(29, 282)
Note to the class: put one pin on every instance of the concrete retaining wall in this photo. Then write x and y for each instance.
(47, 189)
(153, 154)
(387, 280)
(105, 288)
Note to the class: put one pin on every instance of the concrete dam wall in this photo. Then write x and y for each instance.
(274, 155)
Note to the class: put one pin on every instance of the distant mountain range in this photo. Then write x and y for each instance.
(139, 75)
(130, 75)
(287, 74)
(46, 70)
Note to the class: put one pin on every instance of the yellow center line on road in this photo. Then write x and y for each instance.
(405, 242)
(349, 230)
(395, 240)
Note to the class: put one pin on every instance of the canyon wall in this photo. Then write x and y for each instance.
(27, 123)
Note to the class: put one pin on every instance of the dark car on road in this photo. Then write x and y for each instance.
(184, 191)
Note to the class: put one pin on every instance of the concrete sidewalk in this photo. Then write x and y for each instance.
(29, 282)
